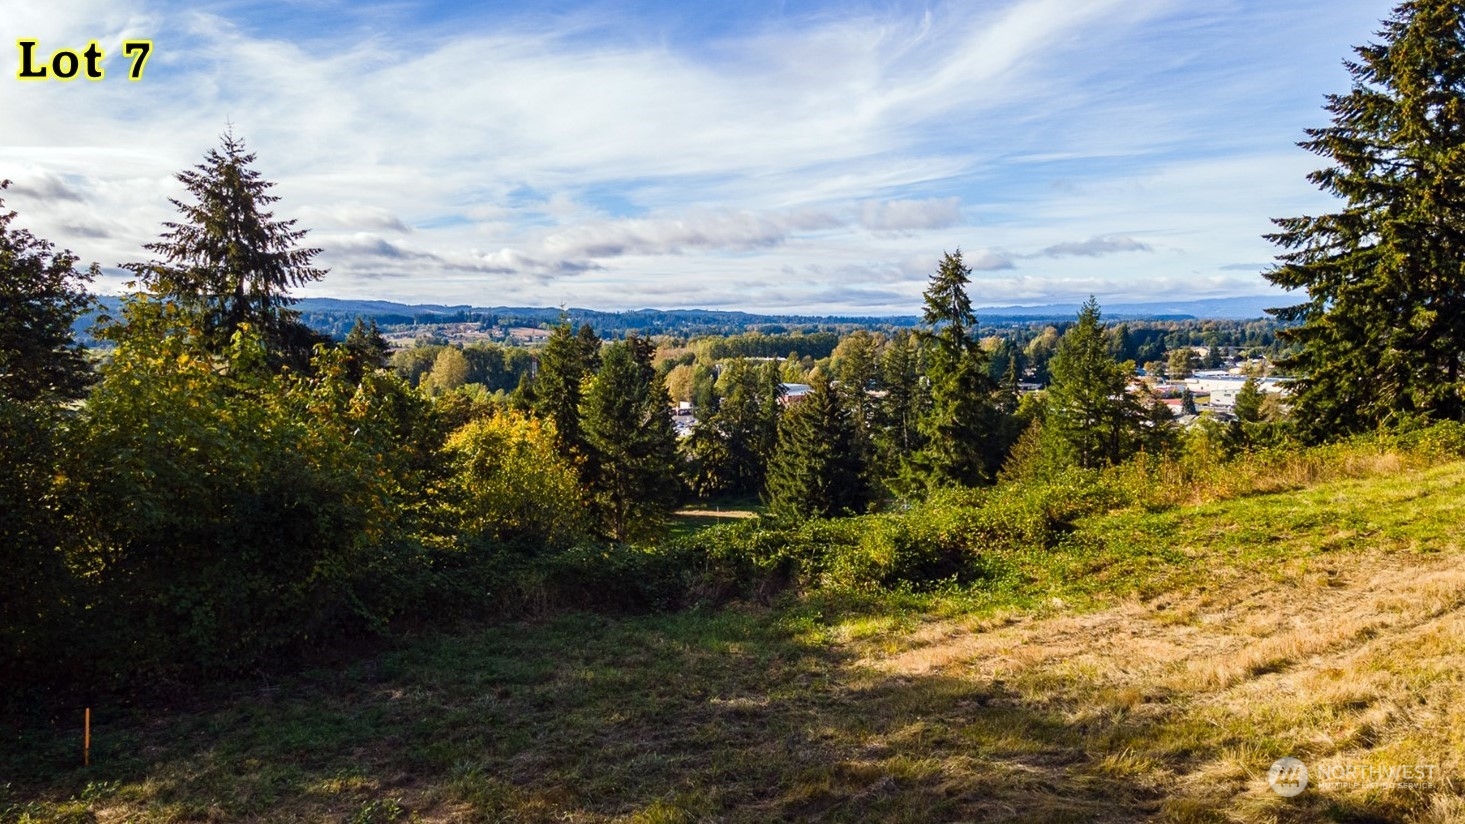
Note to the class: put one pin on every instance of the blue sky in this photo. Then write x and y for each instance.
(767, 156)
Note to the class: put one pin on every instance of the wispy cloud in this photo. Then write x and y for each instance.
(906, 215)
(1095, 247)
(44, 186)
(596, 156)
(987, 260)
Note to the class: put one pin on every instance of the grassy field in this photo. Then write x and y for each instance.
(1153, 666)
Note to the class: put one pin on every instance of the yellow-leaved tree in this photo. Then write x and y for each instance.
(514, 487)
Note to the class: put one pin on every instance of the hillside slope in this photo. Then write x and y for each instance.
(1158, 673)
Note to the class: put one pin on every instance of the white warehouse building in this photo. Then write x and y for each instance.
(1223, 386)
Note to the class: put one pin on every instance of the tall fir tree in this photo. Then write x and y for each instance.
(1091, 417)
(563, 369)
(368, 350)
(817, 470)
(626, 415)
(228, 261)
(962, 427)
(898, 434)
(856, 363)
(1382, 330)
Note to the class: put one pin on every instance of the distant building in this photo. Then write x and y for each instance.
(794, 392)
(1223, 386)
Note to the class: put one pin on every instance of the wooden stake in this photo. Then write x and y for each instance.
(86, 740)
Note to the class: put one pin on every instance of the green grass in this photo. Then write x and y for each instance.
(1153, 665)
(723, 509)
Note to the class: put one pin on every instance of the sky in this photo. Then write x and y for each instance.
(801, 157)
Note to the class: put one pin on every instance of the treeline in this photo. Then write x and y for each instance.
(231, 487)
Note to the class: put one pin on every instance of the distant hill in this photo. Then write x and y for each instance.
(331, 315)
(1239, 308)
(334, 316)
(1242, 308)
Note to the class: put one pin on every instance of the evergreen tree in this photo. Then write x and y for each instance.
(905, 400)
(1246, 427)
(816, 471)
(857, 369)
(1187, 403)
(1249, 402)
(1121, 344)
(228, 262)
(962, 429)
(369, 351)
(563, 368)
(41, 295)
(627, 424)
(1382, 330)
(730, 447)
(522, 398)
(1090, 415)
(589, 347)
(1011, 385)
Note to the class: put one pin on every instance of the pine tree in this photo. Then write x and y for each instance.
(627, 426)
(563, 368)
(41, 295)
(1249, 402)
(228, 262)
(369, 351)
(731, 446)
(1382, 331)
(962, 429)
(817, 471)
(900, 412)
(1090, 414)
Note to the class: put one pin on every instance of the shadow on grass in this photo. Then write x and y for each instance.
(735, 715)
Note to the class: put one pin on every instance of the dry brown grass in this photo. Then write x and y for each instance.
(1355, 668)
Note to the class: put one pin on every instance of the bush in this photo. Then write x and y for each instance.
(512, 486)
(237, 514)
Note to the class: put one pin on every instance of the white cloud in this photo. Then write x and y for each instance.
(351, 216)
(1095, 247)
(904, 215)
